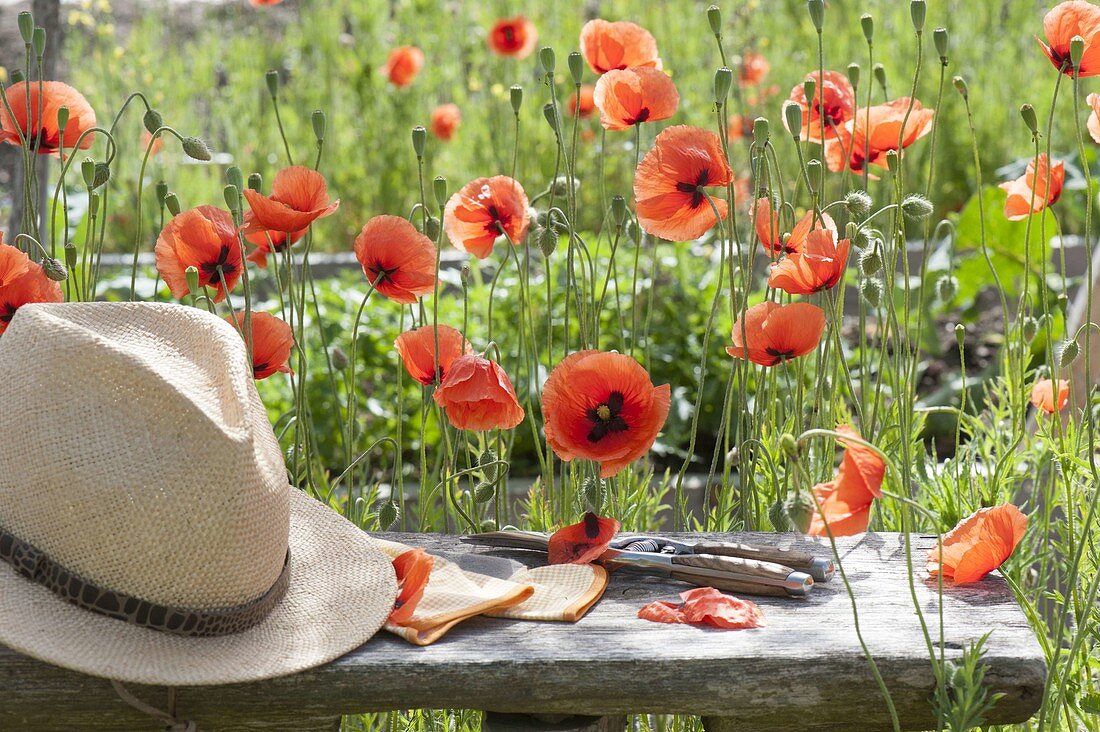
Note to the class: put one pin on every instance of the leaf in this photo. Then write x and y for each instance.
(388, 513)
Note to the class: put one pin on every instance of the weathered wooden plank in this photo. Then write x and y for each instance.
(499, 722)
(803, 671)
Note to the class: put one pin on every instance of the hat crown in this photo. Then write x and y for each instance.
(136, 453)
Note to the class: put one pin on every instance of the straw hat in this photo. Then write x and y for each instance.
(140, 478)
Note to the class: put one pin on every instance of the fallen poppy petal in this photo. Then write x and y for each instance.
(662, 612)
(413, 570)
(979, 544)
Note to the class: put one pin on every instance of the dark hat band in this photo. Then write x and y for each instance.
(38, 567)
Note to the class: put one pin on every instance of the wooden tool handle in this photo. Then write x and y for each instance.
(751, 567)
(793, 558)
(685, 574)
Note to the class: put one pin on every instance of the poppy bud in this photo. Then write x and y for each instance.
(939, 37)
(761, 131)
(232, 196)
(339, 358)
(550, 112)
(576, 66)
(162, 191)
(486, 461)
(1027, 112)
(547, 59)
(714, 17)
(618, 209)
(152, 120)
(777, 514)
(172, 203)
(196, 148)
(892, 160)
(1076, 50)
(868, 24)
(858, 203)
(851, 230)
(789, 445)
(916, 207)
(817, 13)
(562, 185)
(488, 525)
(879, 72)
(547, 240)
(1029, 328)
(272, 80)
(439, 188)
(792, 115)
(102, 174)
(320, 122)
(809, 87)
(800, 510)
(813, 169)
(516, 95)
(960, 86)
(255, 182)
(870, 261)
(917, 11)
(87, 169)
(464, 275)
(431, 227)
(871, 289)
(234, 177)
(38, 41)
(26, 26)
(192, 273)
(484, 492)
(62, 118)
(54, 269)
(17, 77)
(960, 333)
(853, 75)
(1067, 354)
(70, 255)
(93, 205)
(388, 513)
(946, 287)
(723, 80)
(419, 137)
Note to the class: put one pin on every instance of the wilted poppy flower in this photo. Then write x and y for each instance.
(628, 97)
(445, 120)
(42, 133)
(706, 606)
(867, 142)
(754, 67)
(204, 238)
(413, 569)
(846, 500)
(396, 258)
(1061, 24)
(586, 106)
(603, 407)
(1049, 398)
(418, 348)
(833, 106)
(477, 395)
(583, 542)
(267, 242)
(1030, 193)
(766, 221)
(272, 340)
(475, 215)
(514, 37)
(299, 196)
(13, 262)
(403, 64)
(618, 45)
(31, 286)
(979, 544)
(669, 183)
(817, 266)
(775, 333)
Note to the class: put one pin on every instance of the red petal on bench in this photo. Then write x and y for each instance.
(413, 569)
(708, 606)
(662, 612)
(582, 542)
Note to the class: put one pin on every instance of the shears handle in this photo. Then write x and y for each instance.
(819, 568)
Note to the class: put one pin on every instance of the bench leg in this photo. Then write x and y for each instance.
(500, 722)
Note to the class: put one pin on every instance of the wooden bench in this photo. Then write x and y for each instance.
(804, 671)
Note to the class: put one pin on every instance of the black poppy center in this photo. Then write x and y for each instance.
(591, 525)
(509, 35)
(7, 312)
(498, 221)
(606, 417)
(43, 140)
(696, 188)
(210, 269)
(642, 116)
(781, 355)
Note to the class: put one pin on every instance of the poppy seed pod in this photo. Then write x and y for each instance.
(439, 188)
(917, 11)
(38, 41)
(234, 177)
(1067, 354)
(960, 333)
(93, 204)
(871, 289)
(576, 66)
(960, 86)
(547, 59)
(232, 196)
(1076, 50)
(26, 26)
(853, 75)
(550, 112)
(419, 137)
(192, 274)
(809, 87)
(172, 203)
(255, 182)
(62, 118)
(761, 131)
(54, 269)
(723, 80)
(70, 255)
(813, 167)
(1027, 112)
(195, 148)
(816, 9)
(868, 24)
(618, 210)
(152, 120)
(516, 96)
(320, 123)
(939, 38)
(792, 115)
(714, 17)
(87, 169)
(271, 78)
(879, 72)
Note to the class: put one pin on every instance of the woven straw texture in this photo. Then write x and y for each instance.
(136, 453)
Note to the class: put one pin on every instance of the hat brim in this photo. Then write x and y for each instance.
(341, 591)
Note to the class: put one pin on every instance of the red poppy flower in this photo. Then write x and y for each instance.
(587, 103)
(148, 143)
(618, 45)
(766, 221)
(834, 105)
(476, 214)
(477, 395)
(514, 37)
(31, 286)
(1043, 395)
(413, 569)
(14, 263)
(979, 544)
(818, 266)
(272, 340)
(881, 134)
(739, 127)
(603, 407)
(204, 238)
(445, 120)
(403, 64)
(775, 333)
(628, 97)
(846, 500)
(396, 258)
(754, 67)
(418, 348)
(42, 132)
(669, 183)
(706, 606)
(583, 542)
(1029, 193)
(264, 3)
(1061, 24)
(267, 242)
(299, 196)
